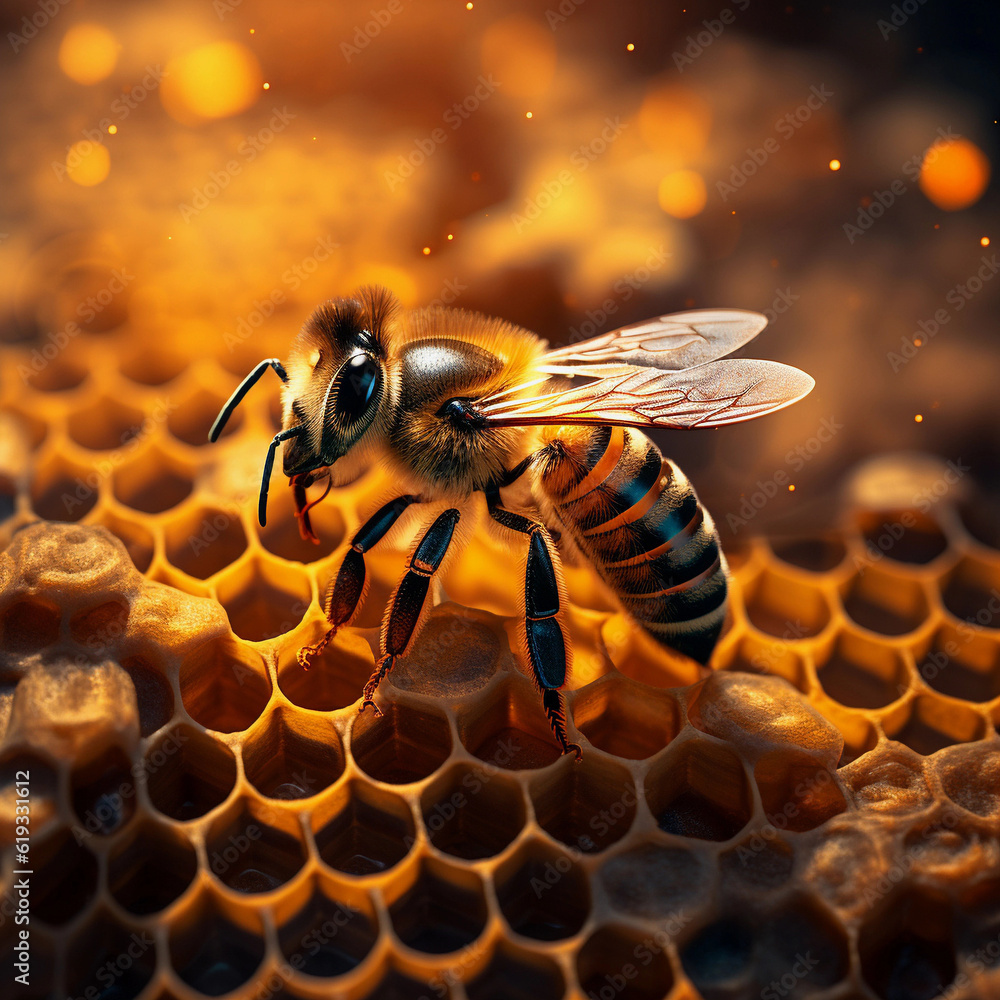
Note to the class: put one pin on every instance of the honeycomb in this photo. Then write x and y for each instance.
(817, 816)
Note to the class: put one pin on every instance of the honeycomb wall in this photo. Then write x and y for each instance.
(817, 817)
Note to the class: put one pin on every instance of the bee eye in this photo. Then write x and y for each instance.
(360, 379)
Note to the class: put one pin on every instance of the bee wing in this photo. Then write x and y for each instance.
(678, 340)
(721, 392)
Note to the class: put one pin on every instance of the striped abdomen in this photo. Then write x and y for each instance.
(634, 514)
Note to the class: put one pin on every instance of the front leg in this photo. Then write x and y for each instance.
(545, 639)
(343, 596)
(403, 613)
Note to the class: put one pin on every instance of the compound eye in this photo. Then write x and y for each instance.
(359, 381)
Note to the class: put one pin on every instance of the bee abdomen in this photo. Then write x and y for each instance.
(635, 515)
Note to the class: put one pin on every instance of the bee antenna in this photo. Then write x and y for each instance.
(288, 432)
(241, 390)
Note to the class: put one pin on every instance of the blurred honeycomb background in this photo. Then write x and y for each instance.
(818, 816)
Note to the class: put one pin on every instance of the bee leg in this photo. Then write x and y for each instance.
(546, 643)
(407, 603)
(343, 596)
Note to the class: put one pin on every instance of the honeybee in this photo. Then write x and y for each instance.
(453, 402)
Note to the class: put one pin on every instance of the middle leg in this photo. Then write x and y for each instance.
(403, 614)
(545, 639)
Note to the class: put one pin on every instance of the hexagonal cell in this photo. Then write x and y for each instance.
(933, 724)
(99, 627)
(890, 779)
(653, 881)
(151, 365)
(152, 481)
(203, 540)
(906, 536)
(969, 777)
(625, 718)
(153, 693)
(192, 418)
(508, 728)
(104, 955)
(104, 424)
(786, 608)
(587, 805)
(137, 538)
(472, 813)
(816, 553)
(971, 592)
(103, 792)
(442, 911)
(63, 490)
(65, 879)
(962, 664)
(28, 427)
(44, 790)
(281, 535)
(457, 652)
(861, 673)
(365, 831)
(763, 862)
(978, 922)
(907, 946)
(797, 791)
(252, 848)
(624, 963)
(29, 625)
(335, 678)
(188, 773)
(57, 375)
(151, 868)
(700, 791)
(885, 603)
(212, 954)
(292, 756)
(326, 938)
(719, 958)
(224, 685)
(517, 974)
(403, 744)
(263, 598)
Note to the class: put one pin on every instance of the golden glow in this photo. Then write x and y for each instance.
(675, 121)
(87, 163)
(835, 164)
(682, 194)
(528, 114)
(451, 236)
(985, 241)
(919, 418)
(468, 6)
(791, 487)
(521, 54)
(630, 47)
(954, 175)
(88, 53)
(426, 251)
(112, 130)
(212, 81)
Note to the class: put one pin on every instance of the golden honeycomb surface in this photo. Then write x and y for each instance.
(817, 816)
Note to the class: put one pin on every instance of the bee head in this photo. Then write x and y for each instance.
(337, 385)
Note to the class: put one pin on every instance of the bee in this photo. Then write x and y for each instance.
(453, 403)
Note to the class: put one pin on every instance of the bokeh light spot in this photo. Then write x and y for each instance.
(212, 81)
(835, 164)
(87, 163)
(682, 194)
(88, 53)
(954, 175)
(521, 54)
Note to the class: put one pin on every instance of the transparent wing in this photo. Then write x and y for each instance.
(672, 342)
(721, 392)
